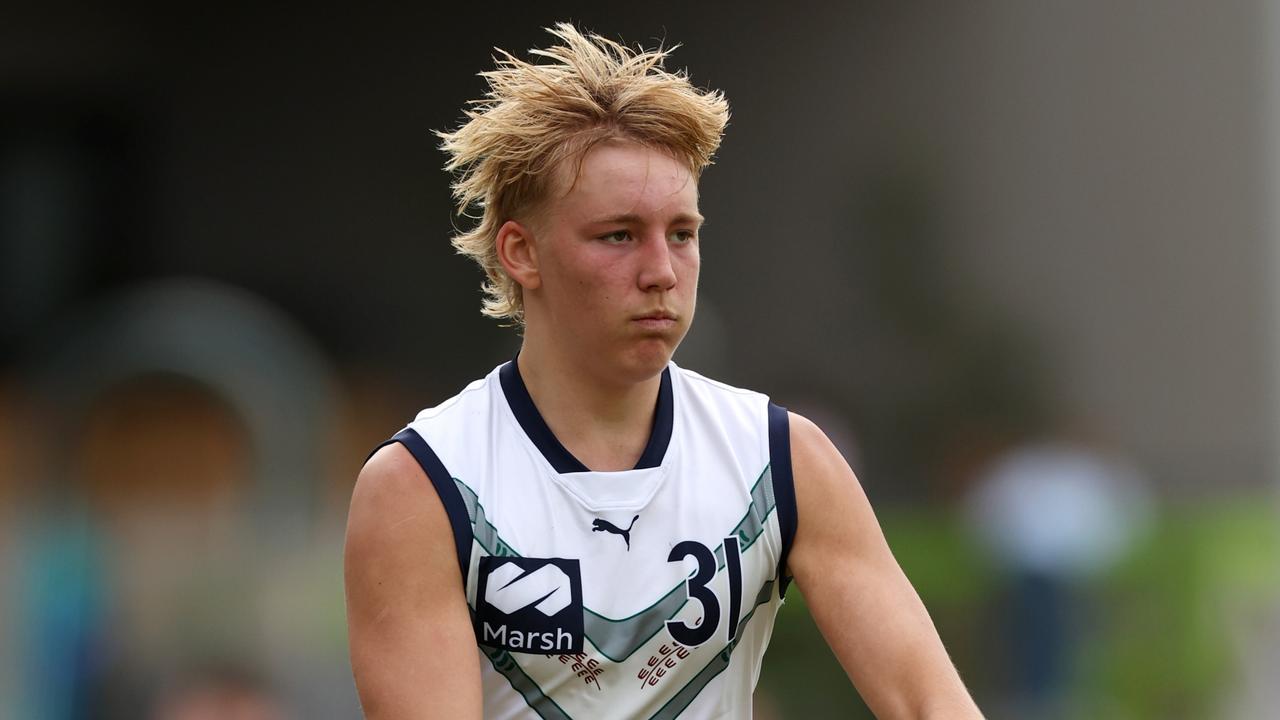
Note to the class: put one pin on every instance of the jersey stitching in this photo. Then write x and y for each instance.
(432, 413)
(627, 505)
(692, 375)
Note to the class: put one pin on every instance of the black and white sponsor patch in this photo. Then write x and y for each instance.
(529, 605)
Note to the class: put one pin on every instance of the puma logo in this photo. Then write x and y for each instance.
(599, 525)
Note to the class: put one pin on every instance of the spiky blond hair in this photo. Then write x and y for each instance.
(537, 116)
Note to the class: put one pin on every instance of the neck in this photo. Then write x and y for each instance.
(602, 422)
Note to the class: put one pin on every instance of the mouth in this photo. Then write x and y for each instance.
(658, 320)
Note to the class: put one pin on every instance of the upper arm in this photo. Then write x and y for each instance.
(413, 651)
(860, 599)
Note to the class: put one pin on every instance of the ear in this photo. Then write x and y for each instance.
(518, 254)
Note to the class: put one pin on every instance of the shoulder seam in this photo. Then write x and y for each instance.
(435, 411)
(692, 375)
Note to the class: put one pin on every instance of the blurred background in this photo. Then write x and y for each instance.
(1020, 260)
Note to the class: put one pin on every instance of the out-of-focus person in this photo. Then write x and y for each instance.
(225, 694)
(1052, 513)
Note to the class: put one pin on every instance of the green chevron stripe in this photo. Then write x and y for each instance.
(686, 695)
(483, 530)
(617, 639)
(523, 684)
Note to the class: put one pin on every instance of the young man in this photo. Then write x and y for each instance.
(613, 533)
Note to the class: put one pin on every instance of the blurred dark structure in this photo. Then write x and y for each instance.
(951, 222)
(1093, 170)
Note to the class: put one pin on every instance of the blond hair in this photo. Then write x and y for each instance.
(536, 116)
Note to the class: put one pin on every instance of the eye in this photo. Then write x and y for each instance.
(682, 237)
(616, 238)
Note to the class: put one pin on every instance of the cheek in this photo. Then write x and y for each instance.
(689, 269)
(593, 280)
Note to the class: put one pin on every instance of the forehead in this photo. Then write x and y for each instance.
(624, 178)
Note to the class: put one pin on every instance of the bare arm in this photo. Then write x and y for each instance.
(862, 602)
(413, 651)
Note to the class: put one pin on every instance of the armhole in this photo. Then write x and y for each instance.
(784, 490)
(454, 507)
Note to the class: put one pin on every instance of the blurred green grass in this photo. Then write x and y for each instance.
(1157, 635)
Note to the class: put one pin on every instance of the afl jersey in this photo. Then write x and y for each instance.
(645, 593)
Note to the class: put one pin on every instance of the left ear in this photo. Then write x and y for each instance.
(518, 254)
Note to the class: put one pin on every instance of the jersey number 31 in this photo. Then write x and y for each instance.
(696, 587)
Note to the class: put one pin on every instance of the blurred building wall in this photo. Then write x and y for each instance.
(1097, 167)
(1092, 167)
(1270, 191)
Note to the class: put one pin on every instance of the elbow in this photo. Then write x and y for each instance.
(952, 707)
(942, 701)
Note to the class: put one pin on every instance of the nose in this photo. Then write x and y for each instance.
(656, 270)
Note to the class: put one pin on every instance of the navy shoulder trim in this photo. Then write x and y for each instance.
(784, 489)
(442, 480)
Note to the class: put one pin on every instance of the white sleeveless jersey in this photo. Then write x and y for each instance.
(646, 593)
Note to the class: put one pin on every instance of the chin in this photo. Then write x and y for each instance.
(646, 359)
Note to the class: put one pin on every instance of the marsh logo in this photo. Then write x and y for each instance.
(530, 605)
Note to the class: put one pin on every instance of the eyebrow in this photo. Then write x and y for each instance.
(633, 219)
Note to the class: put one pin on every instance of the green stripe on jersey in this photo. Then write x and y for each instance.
(617, 639)
(694, 687)
(523, 684)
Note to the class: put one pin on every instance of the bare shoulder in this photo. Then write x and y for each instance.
(816, 463)
(391, 474)
(832, 509)
(395, 509)
(412, 648)
(808, 442)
